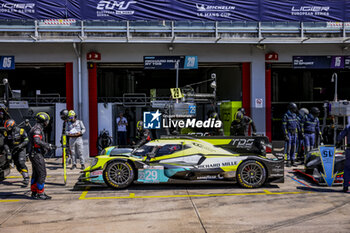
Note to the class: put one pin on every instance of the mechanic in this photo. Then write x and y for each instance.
(290, 129)
(341, 136)
(65, 118)
(142, 135)
(240, 125)
(311, 128)
(16, 140)
(75, 131)
(300, 140)
(38, 149)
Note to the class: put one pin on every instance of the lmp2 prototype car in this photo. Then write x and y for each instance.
(183, 158)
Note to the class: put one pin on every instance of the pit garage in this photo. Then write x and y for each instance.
(39, 87)
(307, 88)
(116, 80)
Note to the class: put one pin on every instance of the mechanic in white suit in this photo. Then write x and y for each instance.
(75, 131)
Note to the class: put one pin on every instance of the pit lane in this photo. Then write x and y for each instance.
(296, 205)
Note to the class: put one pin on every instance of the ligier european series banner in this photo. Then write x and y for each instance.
(209, 10)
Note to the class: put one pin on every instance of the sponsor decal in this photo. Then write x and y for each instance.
(242, 143)
(17, 7)
(153, 120)
(220, 11)
(216, 165)
(212, 177)
(111, 7)
(310, 10)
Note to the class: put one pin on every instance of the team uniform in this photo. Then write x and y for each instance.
(16, 141)
(290, 127)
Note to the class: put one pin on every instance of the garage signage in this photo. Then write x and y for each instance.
(7, 62)
(198, 10)
(321, 62)
(169, 62)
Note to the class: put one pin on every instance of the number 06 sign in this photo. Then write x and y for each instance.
(7, 62)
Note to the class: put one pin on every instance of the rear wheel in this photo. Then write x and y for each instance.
(251, 174)
(119, 174)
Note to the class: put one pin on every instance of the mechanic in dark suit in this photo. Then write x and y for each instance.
(240, 125)
(290, 127)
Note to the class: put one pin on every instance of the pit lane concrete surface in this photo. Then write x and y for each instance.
(294, 206)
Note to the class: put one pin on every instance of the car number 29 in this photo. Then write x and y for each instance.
(151, 175)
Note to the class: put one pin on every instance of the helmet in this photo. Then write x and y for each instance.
(139, 125)
(42, 117)
(303, 111)
(71, 115)
(213, 114)
(9, 124)
(238, 116)
(315, 111)
(292, 107)
(64, 114)
(242, 110)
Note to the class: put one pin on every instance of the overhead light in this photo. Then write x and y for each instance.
(171, 48)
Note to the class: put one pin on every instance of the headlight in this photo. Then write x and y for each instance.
(94, 162)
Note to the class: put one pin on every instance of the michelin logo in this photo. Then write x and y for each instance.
(202, 7)
(152, 120)
(220, 11)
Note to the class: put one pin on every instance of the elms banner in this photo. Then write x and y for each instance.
(213, 10)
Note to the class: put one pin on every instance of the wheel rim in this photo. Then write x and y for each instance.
(119, 173)
(252, 174)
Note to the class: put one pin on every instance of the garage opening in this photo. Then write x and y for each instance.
(114, 80)
(307, 88)
(43, 86)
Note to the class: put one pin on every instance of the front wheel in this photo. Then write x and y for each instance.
(118, 174)
(251, 174)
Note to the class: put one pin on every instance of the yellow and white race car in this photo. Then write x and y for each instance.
(191, 159)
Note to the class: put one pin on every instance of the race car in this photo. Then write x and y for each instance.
(191, 159)
(314, 168)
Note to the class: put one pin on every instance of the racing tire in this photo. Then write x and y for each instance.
(251, 174)
(118, 174)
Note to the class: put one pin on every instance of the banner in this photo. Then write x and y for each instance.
(179, 10)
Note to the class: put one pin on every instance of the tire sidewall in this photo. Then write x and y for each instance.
(110, 182)
(239, 174)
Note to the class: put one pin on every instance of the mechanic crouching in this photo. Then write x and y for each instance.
(240, 125)
(16, 140)
(341, 136)
(38, 149)
(142, 135)
(290, 127)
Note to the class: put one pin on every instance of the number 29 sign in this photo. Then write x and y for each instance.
(7, 62)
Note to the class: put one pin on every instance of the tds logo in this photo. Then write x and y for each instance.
(242, 143)
(151, 120)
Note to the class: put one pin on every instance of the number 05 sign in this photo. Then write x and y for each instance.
(7, 62)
